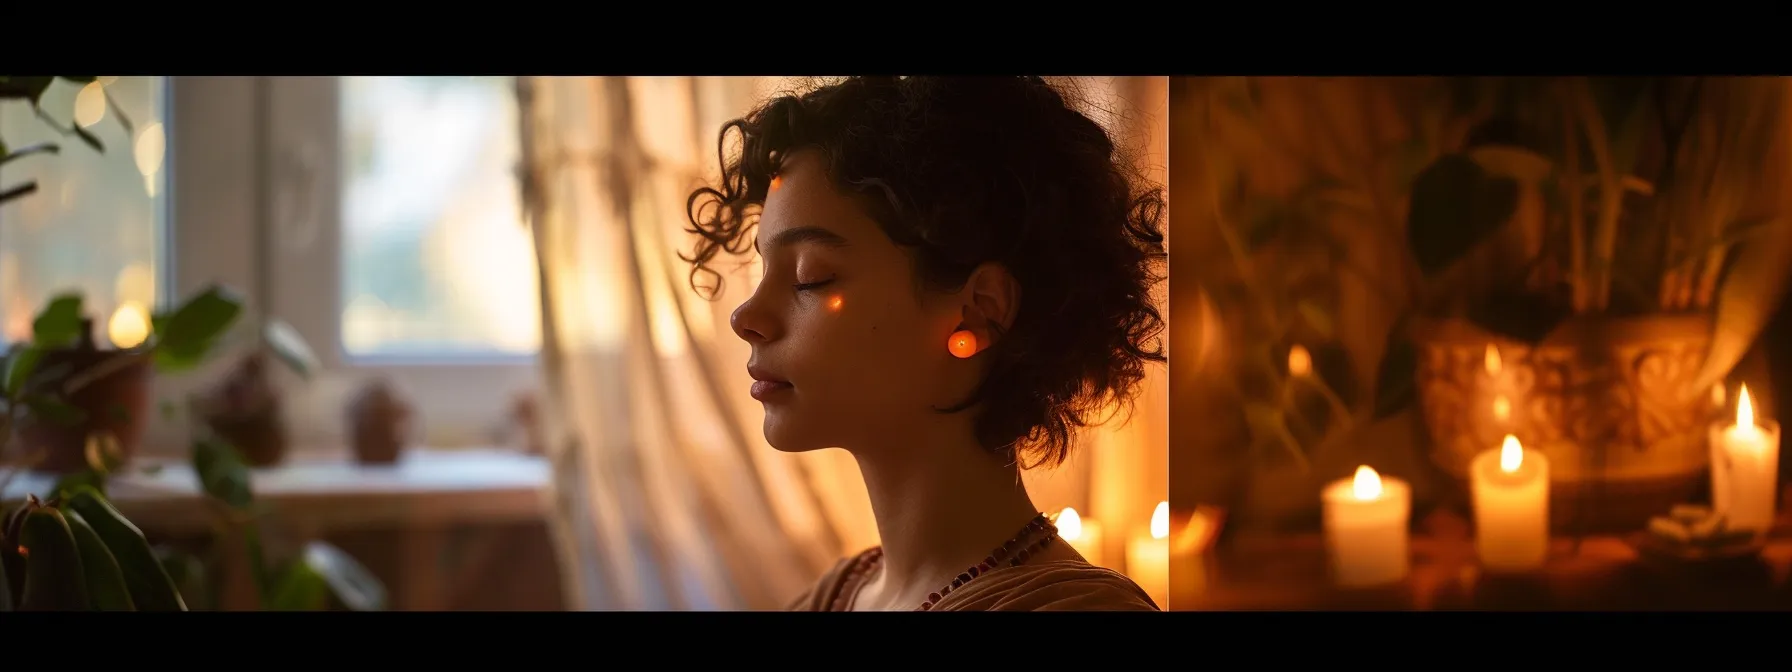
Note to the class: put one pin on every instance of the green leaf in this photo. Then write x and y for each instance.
(222, 473)
(55, 411)
(25, 88)
(1317, 318)
(59, 324)
(350, 584)
(290, 347)
(185, 336)
(28, 150)
(1455, 205)
(19, 365)
(298, 587)
(89, 138)
(1396, 385)
(21, 191)
(88, 478)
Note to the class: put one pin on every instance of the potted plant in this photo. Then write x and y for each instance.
(1561, 259)
(71, 402)
(1586, 285)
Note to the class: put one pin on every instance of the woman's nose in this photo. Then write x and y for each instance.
(751, 323)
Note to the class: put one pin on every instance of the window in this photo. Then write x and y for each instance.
(96, 222)
(379, 217)
(435, 258)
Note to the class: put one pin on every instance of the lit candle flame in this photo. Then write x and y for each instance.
(1300, 362)
(1160, 521)
(1367, 485)
(1745, 410)
(1070, 525)
(1511, 454)
(1493, 360)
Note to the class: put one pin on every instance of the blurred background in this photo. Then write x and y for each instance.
(498, 391)
(1380, 279)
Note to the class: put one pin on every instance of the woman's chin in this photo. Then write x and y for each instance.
(786, 435)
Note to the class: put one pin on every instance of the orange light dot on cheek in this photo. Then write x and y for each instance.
(835, 303)
(777, 181)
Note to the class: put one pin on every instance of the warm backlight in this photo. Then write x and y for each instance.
(1368, 483)
(1070, 525)
(1511, 454)
(1160, 521)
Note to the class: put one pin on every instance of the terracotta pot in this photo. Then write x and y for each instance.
(260, 437)
(116, 401)
(1607, 400)
(379, 424)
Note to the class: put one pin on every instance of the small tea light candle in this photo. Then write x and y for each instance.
(1189, 550)
(1082, 535)
(1745, 461)
(1511, 499)
(1148, 557)
(1366, 520)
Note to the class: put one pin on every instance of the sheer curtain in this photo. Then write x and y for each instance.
(665, 494)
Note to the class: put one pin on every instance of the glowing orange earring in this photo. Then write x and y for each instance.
(962, 344)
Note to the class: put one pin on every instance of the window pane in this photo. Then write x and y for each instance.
(95, 224)
(436, 260)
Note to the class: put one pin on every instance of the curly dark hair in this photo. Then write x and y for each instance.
(962, 171)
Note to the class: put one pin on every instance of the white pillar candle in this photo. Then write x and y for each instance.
(1365, 528)
(1148, 557)
(1082, 535)
(1511, 498)
(1745, 465)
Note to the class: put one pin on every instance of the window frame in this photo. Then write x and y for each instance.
(255, 191)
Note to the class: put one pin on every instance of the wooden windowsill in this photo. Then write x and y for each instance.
(325, 490)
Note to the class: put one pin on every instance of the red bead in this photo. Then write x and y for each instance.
(933, 597)
(974, 572)
(964, 578)
(926, 605)
(987, 563)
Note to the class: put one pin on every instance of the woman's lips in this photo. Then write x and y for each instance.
(764, 390)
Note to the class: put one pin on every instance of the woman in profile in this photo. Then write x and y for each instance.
(957, 275)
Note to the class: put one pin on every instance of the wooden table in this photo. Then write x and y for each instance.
(319, 492)
(1593, 574)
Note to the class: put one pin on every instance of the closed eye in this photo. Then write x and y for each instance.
(806, 286)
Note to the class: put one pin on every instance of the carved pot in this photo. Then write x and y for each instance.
(1607, 400)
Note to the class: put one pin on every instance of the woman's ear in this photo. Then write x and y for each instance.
(991, 299)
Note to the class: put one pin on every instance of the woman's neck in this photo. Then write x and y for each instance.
(941, 507)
